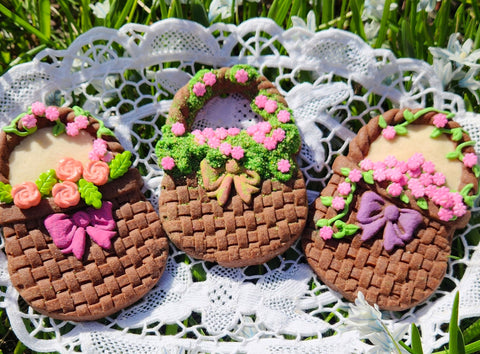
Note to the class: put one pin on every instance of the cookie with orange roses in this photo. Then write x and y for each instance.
(82, 242)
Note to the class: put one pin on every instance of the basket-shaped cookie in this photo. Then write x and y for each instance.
(81, 240)
(231, 196)
(384, 223)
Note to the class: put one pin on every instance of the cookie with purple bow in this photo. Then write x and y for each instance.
(384, 223)
(82, 242)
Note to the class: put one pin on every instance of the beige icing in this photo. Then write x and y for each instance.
(418, 140)
(41, 151)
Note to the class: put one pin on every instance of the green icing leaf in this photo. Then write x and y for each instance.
(120, 164)
(327, 201)
(476, 171)
(58, 128)
(345, 171)
(368, 176)
(46, 181)
(436, 133)
(322, 222)
(382, 123)
(79, 111)
(470, 199)
(339, 234)
(404, 198)
(457, 134)
(103, 130)
(452, 155)
(90, 193)
(5, 193)
(422, 203)
(409, 117)
(351, 229)
(465, 190)
(401, 130)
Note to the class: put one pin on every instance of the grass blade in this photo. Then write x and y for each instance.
(44, 17)
(279, 10)
(416, 340)
(455, 335)
(473, 347)
(198, 13)
(382, 32)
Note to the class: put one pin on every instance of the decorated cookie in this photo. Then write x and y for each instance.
(384, 223)
(231, 196)
(81, 240)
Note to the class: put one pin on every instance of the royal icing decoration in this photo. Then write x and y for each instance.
(240, 158)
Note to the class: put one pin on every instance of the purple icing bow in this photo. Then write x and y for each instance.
(398, 224)
(68, 232)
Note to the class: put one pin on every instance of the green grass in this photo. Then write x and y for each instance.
(27, 27)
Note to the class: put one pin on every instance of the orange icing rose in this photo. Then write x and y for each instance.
(96, 172)
(69, 169)
(26, 195)
(65, 194)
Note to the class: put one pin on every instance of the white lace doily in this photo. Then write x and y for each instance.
(333, 82)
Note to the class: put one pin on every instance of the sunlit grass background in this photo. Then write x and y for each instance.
(446, 34)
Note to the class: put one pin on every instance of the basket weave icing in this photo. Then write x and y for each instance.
(103, 281)
(237, 233)
(395, 280)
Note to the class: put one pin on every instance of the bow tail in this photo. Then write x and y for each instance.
(61, 229)
(101, 237)
(244, 188)
(77, 247)
(391, 236)
(372, 228)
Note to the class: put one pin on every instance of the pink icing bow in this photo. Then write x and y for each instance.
(68, 232)
(398, 224)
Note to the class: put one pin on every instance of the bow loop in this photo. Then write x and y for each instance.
(68, 232)
(398, 224)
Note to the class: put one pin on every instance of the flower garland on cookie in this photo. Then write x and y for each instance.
(71, 181)
(416, 177)
(226, 157)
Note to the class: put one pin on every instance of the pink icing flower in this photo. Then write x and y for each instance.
(99, 148)
(225, 148)
(344, 188)
(430, 191)
(81, 121)
(168, 163)
(26, 195)
(278, 134)
(283, 116)
(214, 142)
(196, 132)
(283, 165)
(221, 133)
(456, 197)
(355, 175)
(418, 191)
(442, 197)
(261, 101)
(415, 173)
(428, 167)
(38, 108)
(338, 203)
(445, 214)
(208, 133)
(69, 169)
(394, 174)
(389, 132)
(107, 157)
(199, 139)
(178, 128)
(271, 106)
(394, 189)
(379, 175)
(209, 79)
(379, 165)
(470, 159)
(366, 164)
(72, 129)
(264, 127)
(66, 194)
(96, 172)
(325, 232)
(237, 152)
(415, 161)
(425, 179)
(403, 181)
(233, 131)
(259, 137)
(440, 120)
(199, 89)
(92, 156)
(438, 178)
(52, 113)
(459, 210)
(29, 121)
(241, 76)
(390, 161)
(402, 165)
(251, 130)
(270, 143)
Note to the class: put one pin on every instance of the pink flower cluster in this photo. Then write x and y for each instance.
(100, 152)
(418, 176)
(29, 121)
(262, 133)
(215, 139)
(263, 102)
(241, 76)
(79, 123)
